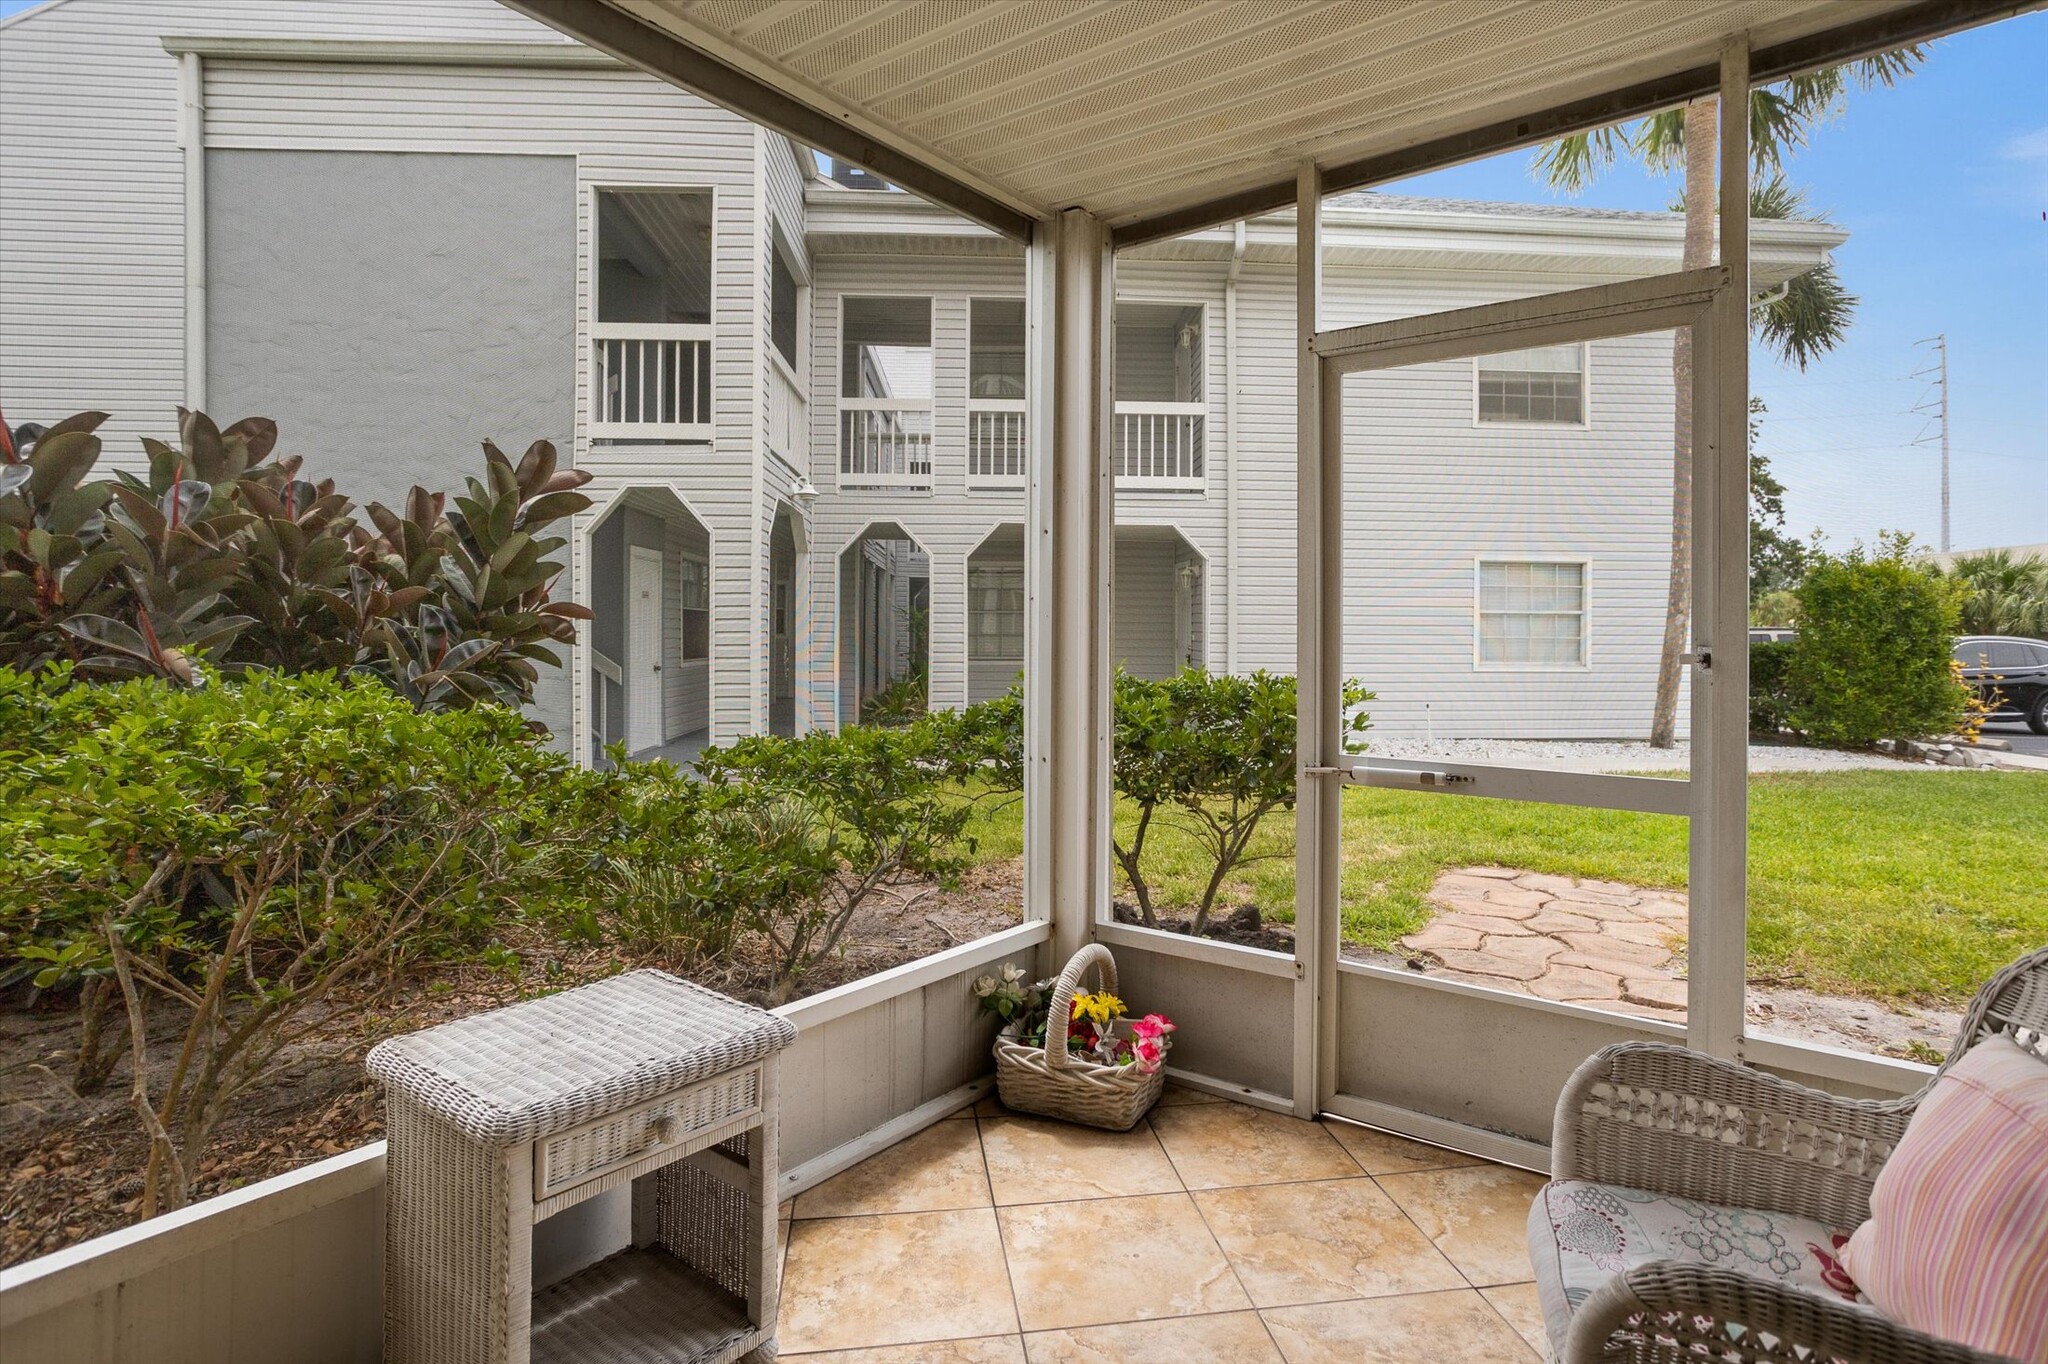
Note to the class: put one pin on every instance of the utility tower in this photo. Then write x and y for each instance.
(1936, 406)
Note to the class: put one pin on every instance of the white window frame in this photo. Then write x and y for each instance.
(684, 561)
(1167, 483)
(974, 404)
(907, 482)
(1585, 567)
(1585, 421)
(799, 271)
(588, 429)
(1023, 617)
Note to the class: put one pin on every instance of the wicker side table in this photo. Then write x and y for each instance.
(503, 1119)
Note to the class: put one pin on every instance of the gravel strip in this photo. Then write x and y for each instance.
(1623, 756)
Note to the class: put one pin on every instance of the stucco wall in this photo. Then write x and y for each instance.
(392, 311)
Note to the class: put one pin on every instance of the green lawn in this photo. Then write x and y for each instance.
(1914, 885)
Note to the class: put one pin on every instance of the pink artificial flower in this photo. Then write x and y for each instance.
(1150, 1055)
(1152, 1026)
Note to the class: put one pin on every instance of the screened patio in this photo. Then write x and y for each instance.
(1309, 1086)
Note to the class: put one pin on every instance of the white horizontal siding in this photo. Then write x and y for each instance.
(626, 131)
(1425, 492)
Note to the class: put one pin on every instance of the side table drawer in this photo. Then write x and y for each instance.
(615, 1140)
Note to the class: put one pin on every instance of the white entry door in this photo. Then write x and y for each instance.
(644, 614)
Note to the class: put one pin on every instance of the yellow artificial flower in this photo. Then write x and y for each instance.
(1098, 1008)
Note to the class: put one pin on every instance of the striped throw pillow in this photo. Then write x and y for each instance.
(1957, 1241)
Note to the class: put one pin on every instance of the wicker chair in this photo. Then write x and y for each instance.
(1673, 1123)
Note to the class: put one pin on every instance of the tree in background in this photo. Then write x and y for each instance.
(1804, 322)
(2002, 595)
(1776, 560)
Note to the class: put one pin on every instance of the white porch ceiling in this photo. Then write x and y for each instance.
(1153, 114)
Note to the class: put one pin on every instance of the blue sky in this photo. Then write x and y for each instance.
(1943, 185)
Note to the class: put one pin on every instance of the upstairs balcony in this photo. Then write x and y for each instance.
(998, 442)
(1159, 447)
(650, 381)
(649, 342)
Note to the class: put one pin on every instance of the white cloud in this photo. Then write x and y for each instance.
(2028, 146)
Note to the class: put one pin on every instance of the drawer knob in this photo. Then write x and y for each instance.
(662, 1130)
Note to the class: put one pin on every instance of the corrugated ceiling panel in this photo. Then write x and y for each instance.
(1128, 106)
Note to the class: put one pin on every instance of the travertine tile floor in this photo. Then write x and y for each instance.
(1214, 1232)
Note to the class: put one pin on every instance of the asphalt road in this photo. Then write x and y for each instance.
(2022, 739)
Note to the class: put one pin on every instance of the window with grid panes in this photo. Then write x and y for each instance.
(1546, 384)
(996, 615)
(696, 595)
(1532, 614)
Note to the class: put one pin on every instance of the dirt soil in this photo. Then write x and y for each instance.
(70, 1164)
(1243, 926)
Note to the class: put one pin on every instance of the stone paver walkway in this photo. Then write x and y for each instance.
(1586, 942)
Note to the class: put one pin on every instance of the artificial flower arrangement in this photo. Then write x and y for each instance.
(1092, 1031)
(1103, 1067)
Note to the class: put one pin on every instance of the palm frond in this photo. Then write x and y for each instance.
(1776, 199)
(1887, 69)
(1574, 162)
(1814, 313)
(1809, 319)
(1660, 140)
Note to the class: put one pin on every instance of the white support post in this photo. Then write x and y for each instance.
(192, 144)
(1068, 547)
(1718, 927)
(1318, 677)
(1039, 300)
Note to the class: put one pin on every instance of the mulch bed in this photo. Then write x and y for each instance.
(1244, 926)
(73, 1162)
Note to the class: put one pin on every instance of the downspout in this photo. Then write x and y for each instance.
(1232, 584)
(192, 143)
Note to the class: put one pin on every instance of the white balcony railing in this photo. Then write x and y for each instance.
(885, 443)
(650, 381)
(997, 443)
(788, 414)
(1159, 446)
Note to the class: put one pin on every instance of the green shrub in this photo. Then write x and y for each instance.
(1215, 753)
(1770, 693)
(856, 812)
(237, 855)
(1212, 752)
(224, 553)
(1872, 657)
(898, 704)
(647, 857)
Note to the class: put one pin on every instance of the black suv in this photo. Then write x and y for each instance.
(2015, 670)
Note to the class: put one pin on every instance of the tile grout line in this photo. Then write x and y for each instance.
(1475, 1287)
(1002, 1242)
(1258, 1313)
(1527, 1344)
(1423, 1232)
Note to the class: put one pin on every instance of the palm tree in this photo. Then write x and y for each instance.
(1803, 323)
(2002, 595)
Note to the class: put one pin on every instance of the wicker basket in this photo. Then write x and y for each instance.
(1052, 1082)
